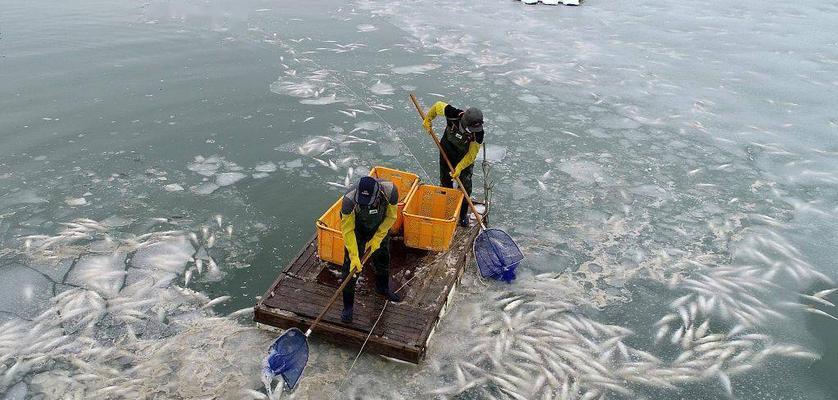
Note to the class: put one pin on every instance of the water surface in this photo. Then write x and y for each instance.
(636, 149)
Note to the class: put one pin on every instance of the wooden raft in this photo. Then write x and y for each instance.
(304, 287)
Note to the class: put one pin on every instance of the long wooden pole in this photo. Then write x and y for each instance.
(448, 162)
(335, 296)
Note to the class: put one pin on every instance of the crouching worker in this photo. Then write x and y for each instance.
(368, 210)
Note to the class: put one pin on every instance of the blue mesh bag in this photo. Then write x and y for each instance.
(497, 255)
(287, 357)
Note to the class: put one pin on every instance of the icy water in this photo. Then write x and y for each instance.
(668, 168)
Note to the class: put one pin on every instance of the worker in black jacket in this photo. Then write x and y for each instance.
(461, 143)
(367, 213)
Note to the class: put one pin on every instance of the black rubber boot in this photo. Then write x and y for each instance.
(346, 315)
(348, 304)
(382, 287)
(465, 211)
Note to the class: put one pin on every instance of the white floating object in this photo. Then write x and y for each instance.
(203, 168)
(173, 187)
(217, 300)
(74, 202)
(229, 178)
(570, 2)
(381, 88)
(366, 28)
(529, 1)
(494, 153)
(529, 98)
(321, 101)
(206, 188)
(415, 69)
(265, 167)
(550, 2)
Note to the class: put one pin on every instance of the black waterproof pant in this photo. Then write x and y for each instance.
(445, 180)
(380, 261)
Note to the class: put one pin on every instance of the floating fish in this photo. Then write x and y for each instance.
(824, 293)
(819, 312)
(186, 277)
(347, 113)
(216, 301)
(818, 300)
(240, 312)
(725, 380)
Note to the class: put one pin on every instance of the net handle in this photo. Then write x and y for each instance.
(448, 162)
(335, 296)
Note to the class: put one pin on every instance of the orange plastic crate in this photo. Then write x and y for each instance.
(430, 217)
(329, 237)
(405, 182)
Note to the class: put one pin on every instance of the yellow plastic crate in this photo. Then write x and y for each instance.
(405, 182)
(329, 237)
(430, 217)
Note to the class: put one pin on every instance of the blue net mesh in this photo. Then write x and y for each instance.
(497, 255)
(288, 356)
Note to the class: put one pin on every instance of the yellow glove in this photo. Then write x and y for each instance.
(355, 266)
(467, 160)
(389, 219)
(347, 226)
(427, 124)
(371, 247)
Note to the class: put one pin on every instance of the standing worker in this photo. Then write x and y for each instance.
(461, 143)
(368, 210)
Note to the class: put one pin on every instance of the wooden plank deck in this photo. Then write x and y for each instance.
(304, 287)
